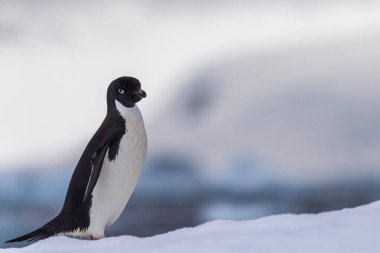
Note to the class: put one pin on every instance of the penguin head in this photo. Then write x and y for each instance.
(125, 90)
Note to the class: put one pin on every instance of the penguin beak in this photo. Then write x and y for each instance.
(140, 93)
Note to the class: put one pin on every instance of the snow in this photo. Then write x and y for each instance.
(349, 230)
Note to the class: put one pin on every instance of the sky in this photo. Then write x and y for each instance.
(58, 59)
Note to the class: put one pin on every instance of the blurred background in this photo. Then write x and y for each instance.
(254, 108)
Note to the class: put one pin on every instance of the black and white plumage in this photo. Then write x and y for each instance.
(107, 172)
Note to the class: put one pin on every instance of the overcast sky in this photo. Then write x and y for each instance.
(58, 59)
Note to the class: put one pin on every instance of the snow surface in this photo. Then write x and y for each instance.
(349, 230)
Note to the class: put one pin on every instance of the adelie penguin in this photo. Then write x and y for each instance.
(107, 172)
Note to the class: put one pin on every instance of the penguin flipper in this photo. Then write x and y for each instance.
(97, 163)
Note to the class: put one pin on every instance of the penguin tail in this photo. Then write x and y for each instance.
(49, 229)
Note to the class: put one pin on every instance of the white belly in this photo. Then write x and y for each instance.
(117, 179)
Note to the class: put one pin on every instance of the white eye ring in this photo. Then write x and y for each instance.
(121, 91)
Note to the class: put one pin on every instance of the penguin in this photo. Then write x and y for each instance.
(107, 171)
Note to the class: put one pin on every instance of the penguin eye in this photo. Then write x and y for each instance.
(121, 91)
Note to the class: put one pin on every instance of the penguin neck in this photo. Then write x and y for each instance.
(129, 114)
